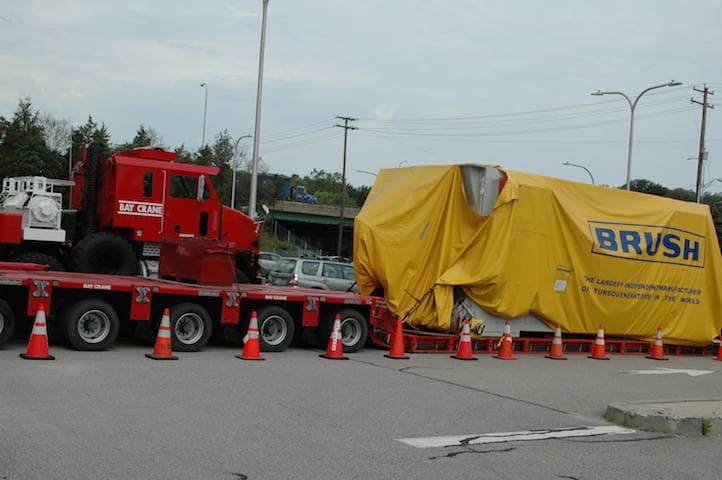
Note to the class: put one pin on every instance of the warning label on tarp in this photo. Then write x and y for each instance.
(568, 253)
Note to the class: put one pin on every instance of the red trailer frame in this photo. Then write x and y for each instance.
(28, 287)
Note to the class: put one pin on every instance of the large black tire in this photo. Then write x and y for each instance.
(354, 329)
(90, 324)
(241, 276)
(7, 322)
(190, 326)
(275, 328)
(40, 258)
(104, 253)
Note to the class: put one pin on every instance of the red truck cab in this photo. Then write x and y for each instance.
(145, 197)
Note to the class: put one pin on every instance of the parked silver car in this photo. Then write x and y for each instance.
(266, 261)
(312, 273)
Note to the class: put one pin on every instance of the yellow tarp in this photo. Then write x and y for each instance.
(568, 253)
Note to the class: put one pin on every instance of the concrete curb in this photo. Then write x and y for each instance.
(690, 417)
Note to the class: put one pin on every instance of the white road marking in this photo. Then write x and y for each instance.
(669, 371)
(527, 435)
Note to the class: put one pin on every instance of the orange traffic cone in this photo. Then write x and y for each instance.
(251, 344)
(505, 345)
(557, 350)
(719, 351)
(599, 349)
(464, 352)
(656, 351)
(38, 343)
(334, 351)
(163, 349)
(397, 342)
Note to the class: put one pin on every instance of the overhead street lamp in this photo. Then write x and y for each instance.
(205, 111)
(570, 164)
(235, 169)
(632, 105)
(257, 127)
(366, 172)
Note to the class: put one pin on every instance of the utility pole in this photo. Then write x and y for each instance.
(346, 127)
(700, 160)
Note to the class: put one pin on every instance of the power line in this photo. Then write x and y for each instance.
(300, 128)
(303, 143)
(403, 133)
(505, 114)
(296, 135)
(560, 118)
(590, 140)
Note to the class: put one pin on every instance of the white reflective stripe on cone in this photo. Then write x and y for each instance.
(557, 340)
(163, 333)
(39, 328)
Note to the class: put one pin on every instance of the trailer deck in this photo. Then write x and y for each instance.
(28, 288)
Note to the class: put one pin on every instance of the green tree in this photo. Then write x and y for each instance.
(23, 150)
(647, 186)
(326, 186)
(89, 133)
(359, 194)
(184, 156)
(144, 137)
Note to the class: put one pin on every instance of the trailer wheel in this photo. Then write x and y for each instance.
(241, 276)
(41, 259)
(354, 329)
(91, 324)
(190, 327)
(104, 253)
(7, 322)
(275, 328)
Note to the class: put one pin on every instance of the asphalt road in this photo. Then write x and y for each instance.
(117, 414)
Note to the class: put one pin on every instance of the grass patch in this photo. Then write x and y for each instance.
(706, 427)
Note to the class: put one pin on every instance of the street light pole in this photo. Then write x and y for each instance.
(632, 106)
(257, 127)
(570, 164)
(205, 111)
(235, 169)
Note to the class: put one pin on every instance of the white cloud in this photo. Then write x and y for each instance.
(239, 12)
(135, 62)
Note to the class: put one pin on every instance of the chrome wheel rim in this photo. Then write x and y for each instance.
(93, 326)
(350, 331)
(189, 328)
(274, 330)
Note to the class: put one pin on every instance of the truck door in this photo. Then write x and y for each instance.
(191, 209)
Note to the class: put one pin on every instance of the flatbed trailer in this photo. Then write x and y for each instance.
(89, 310)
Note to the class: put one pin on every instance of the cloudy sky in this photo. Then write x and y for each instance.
(435, 81)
